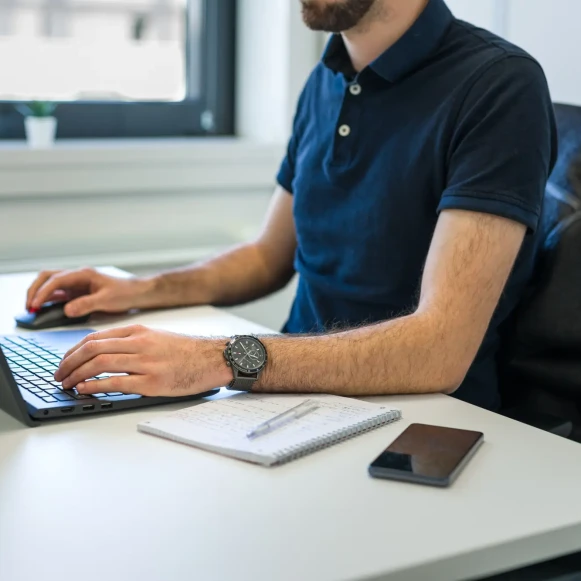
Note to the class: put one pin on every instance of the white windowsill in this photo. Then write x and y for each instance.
(89, 167)
(132, 202)
(97, 150)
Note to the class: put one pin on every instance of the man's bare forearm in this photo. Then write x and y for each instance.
(406, 355)
(431, 350)
(239, 275)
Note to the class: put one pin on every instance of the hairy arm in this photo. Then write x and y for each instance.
(247, 272)
(431, 350)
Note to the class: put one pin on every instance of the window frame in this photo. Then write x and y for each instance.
(211, 113)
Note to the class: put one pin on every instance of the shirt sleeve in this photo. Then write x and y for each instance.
(504, 144)
(286, 173)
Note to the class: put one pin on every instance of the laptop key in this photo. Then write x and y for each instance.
(63, 397)
(49, 398)
(47, 367)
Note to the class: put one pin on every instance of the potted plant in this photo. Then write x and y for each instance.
(39, 123)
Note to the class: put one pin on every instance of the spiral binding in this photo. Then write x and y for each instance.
(337, 436)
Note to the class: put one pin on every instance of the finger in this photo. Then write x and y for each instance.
(59, 296)
(60, 281)
(137, 384)
(91, 350)
(116, 333)
(84, 305)
(38, 282)
(106, 363)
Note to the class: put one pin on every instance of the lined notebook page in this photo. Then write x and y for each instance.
(221, 425)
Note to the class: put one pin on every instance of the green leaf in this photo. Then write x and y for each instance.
(37, 109)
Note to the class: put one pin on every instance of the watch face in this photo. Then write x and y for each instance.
(248, 354)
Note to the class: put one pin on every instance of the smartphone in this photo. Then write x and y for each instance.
(427, 455)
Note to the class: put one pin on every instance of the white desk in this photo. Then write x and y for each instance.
(94, 500)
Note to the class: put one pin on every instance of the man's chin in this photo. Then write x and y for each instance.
(334, 16)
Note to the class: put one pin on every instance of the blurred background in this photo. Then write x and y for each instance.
(133, 50)
(172, 117)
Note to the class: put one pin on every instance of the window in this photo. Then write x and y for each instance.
(119, 68)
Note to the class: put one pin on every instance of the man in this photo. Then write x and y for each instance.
(416, 169)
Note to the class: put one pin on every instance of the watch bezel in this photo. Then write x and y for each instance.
(239, 368)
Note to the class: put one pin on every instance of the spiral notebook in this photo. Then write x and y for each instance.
(221, 425)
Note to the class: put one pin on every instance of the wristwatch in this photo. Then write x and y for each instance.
(246, 355)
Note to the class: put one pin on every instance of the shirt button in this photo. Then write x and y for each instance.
(355, 89)
(344, 130)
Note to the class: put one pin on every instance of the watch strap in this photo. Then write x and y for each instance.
(241, 383)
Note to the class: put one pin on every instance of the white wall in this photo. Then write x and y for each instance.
(551, 31)
(548, 29)
(479, 12)
(275, 55)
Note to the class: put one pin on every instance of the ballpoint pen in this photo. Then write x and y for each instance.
(276, 422)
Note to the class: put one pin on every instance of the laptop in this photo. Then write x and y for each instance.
(29, 393)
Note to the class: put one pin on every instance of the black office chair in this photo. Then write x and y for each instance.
(541, 359)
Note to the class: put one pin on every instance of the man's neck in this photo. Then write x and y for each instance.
(381, 28)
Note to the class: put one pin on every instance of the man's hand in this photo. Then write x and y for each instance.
(87, 291)
(157, 363)
(245, 273)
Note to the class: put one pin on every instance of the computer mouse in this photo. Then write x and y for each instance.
(48, 316)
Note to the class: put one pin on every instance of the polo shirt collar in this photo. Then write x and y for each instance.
(413, 48)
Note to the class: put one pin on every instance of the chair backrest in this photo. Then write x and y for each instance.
(543, 351)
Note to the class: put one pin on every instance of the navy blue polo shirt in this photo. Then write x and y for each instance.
(450, 117)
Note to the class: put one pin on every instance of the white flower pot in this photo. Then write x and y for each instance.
(40, 131)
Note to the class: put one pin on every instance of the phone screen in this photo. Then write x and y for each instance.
(428, 454)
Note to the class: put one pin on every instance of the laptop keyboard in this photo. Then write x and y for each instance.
(33, 367)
